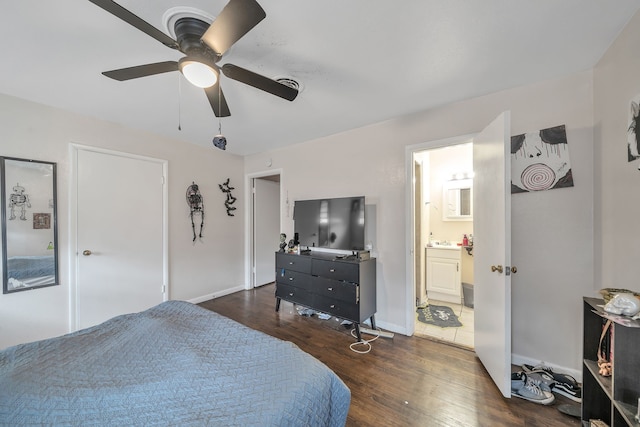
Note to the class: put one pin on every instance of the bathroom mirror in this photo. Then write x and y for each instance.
(457, 200)
(29, 229)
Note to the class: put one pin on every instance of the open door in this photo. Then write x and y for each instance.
(266, 228)
(492, 250)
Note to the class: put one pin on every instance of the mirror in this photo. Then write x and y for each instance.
(457, 199)
(29, 228)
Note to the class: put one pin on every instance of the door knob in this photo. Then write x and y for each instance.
(497, 268)
(514, 269)
(86, 252)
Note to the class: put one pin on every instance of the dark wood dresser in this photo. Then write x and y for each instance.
(342, 287)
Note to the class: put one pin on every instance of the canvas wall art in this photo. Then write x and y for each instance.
(633, 138)
(540, 161)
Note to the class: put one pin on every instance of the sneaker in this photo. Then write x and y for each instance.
(542, 379)
(574, 394)
(523, 387)
(563, 384)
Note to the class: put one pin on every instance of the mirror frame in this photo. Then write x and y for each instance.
(47, 223)
(456, 186)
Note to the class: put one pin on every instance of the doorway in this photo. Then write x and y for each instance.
(443, 245)
(491, 243)
(265, 227)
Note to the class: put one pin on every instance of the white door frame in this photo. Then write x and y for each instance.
(410, 150)
(248, 220)
(73, 223)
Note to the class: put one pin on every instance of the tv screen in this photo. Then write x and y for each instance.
(330, 223)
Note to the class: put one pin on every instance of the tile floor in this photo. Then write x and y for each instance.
(462, 336)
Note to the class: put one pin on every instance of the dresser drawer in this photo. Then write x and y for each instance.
(294, 278)
(335, 270)
(342, 309)
(344, 291)
(299, 263)
(293, 294)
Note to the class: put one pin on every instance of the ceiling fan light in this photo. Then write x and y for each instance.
(198, 74)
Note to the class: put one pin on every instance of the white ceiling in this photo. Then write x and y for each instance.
(360, 61)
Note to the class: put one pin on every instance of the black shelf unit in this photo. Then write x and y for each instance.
(611, 399)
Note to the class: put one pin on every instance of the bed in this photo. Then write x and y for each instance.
(173, 364)
(29, 271)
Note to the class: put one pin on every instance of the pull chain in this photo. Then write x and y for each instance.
(219, 107)
(179, 102)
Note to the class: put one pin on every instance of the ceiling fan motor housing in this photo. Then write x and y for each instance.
(189, 31)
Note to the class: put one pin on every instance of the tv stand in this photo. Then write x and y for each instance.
(344, 288)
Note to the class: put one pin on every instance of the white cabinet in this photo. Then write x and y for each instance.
(443, 274)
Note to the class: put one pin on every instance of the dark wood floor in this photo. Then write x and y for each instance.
(404, 381)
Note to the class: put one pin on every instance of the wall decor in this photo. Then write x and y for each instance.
(540, 161)
(19, 200)
(196, 207)
(29, 250)
(633, 138)
(226, 188)
(41, 221)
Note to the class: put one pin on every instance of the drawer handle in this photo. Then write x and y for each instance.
(291, 279)
(333, 270)
(332, 306)
(290, 294)
(329, 289)
(290, 262)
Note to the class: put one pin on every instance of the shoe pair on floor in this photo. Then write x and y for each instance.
(559, 383)
(538, 383)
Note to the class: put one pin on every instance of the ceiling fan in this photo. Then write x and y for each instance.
(203, 46)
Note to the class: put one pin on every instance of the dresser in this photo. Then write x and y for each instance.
(342, 287)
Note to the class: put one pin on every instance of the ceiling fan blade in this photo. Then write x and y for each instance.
(218, 103)
(259, 82)
(142, 25)
(142, 70)
(233, 22)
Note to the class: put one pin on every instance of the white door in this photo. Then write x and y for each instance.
(266, 220)
(120, 235)
(492, 250)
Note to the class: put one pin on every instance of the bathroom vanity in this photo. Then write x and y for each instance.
(443, 273)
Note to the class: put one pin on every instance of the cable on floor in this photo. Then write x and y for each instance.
(364, 342)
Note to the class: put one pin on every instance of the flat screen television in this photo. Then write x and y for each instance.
(336, 223)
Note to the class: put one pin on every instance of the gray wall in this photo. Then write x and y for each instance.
(617, 204)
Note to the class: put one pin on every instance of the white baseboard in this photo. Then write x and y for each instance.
(215, 295)
(387, 326)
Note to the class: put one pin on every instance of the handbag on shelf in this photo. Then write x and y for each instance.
(604, 365)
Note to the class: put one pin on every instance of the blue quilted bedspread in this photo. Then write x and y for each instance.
(25, 267)
(175, 364)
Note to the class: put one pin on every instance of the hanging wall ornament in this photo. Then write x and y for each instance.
(226, 188)
(220, 141)
(18, 199)
(196, 207)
